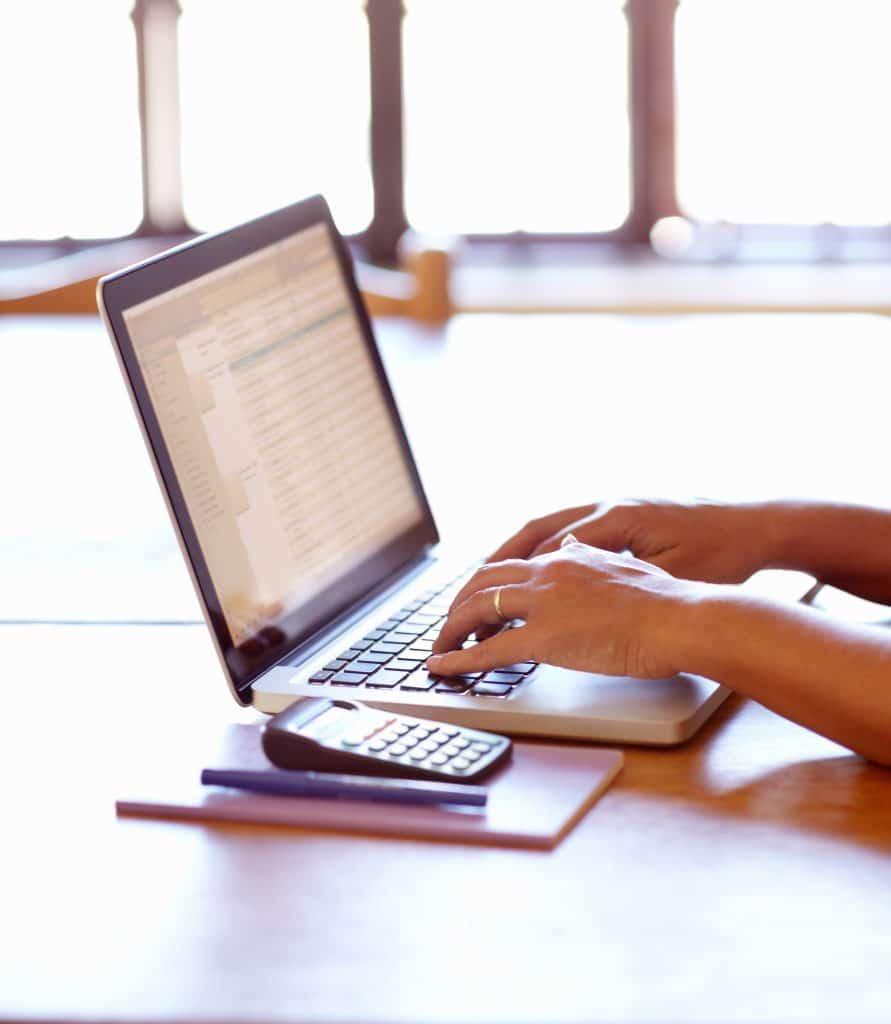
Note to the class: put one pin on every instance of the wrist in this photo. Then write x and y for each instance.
(685, 629)
(781, 529)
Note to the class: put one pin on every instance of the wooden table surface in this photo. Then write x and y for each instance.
(742, 877)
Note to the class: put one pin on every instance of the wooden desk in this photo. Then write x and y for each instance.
(745, 876)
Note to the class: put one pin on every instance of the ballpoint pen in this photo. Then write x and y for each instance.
(279, 782)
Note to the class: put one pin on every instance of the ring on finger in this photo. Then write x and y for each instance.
(497, 601)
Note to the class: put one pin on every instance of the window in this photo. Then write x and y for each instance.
(69, 124)
(276, 95)
(714, 126)
(512, 128)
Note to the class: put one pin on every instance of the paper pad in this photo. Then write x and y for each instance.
(534, 801)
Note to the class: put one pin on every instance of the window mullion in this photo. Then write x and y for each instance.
(651, 42)
(156, 23)
(385, 46)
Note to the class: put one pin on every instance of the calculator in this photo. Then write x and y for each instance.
(317, 734)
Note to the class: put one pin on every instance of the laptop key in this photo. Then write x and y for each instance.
(412, 655)
(320, 677)
(420, 681)
(402, 665)
(364, 668)
(403, 639)
(385, 648)
(406, 629)
(375, 634)
(348, 679)
(454, 684)
(523, 667)
(385, 679)
(511, 678)
(335, 666)
(485, 689)
(377, 657)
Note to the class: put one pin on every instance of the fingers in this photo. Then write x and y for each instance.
(481, 609)
(505, 648)
(496, 574)
(607, 529)
(524, 542)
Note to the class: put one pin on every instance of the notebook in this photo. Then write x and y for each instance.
(533, 802)
(271, 423)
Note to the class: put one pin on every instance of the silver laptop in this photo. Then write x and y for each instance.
(254, 372)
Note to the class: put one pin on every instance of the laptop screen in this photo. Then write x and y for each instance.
(282, 437)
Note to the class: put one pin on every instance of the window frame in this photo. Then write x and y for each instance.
(651, 50)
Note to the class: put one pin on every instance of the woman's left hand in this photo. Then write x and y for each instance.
(581, 608)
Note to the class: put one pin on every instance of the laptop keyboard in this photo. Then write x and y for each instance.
(392, 656)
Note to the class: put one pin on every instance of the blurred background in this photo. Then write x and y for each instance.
(576, 154)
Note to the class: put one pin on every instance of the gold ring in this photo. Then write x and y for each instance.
(498, 610)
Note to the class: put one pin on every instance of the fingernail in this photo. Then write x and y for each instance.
(570, 538)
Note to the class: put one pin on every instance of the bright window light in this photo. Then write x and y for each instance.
(516, 115)
(275, 106)
(782, 111)
(69, 120)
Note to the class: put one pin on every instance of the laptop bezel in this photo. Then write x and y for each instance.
(119, 292)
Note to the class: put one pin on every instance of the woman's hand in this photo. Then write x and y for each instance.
(581, 608)
(702, 540)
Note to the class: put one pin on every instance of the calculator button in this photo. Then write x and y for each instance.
(441, 737)
(450, 750)
(481, 745)
(401, 728)
(409, 741)
(473, 755)
(461, 743)
(418, 755)
(460, 764)
(423, 732)
(377, 745)
(430, 746)
(450, 730)
(397, 750)
(438, 759)
(353, 741)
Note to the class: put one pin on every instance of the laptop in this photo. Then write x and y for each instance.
(266, 409)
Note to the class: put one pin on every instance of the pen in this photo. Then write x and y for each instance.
(356, 787)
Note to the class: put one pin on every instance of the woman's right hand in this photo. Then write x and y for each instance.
(701, 540)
